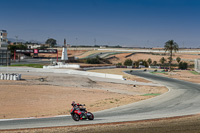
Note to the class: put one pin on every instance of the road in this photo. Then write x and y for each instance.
(182, 99)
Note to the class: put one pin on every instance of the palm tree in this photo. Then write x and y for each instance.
(171, 46)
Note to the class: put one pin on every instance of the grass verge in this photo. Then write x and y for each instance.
(29, 65)
(194, 72)
(159, 72)
(151, 94)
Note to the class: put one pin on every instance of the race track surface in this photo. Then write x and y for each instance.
(182, 99)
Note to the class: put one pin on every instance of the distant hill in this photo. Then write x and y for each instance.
(24, 41)
(18, 40)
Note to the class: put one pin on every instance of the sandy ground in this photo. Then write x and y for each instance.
(32, 98)
(120, 58)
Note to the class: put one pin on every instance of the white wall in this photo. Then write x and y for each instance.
(62, 66)
(77, 72)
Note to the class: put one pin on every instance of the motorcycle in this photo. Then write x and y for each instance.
(81, 113)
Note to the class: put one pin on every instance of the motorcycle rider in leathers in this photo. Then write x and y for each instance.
(76, 107)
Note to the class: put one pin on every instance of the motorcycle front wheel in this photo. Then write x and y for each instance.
(90, 116)
(76, 117)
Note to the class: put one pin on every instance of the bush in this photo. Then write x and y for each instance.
(119, 64)
(183, 65)
(93, 61)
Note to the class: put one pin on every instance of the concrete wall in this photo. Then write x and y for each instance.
(104, 67)
(62, 66)
(197, 65)
(76, 72)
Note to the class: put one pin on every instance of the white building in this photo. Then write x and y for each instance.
(4, 53)
(33, 46)
(3, 39)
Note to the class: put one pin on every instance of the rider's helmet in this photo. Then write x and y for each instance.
(73, 103)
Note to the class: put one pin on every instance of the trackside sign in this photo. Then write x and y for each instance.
(36, 51)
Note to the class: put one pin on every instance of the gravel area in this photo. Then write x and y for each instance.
(32, 97)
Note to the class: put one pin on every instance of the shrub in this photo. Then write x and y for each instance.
(93, 61)
(183, 65)
(119, 64)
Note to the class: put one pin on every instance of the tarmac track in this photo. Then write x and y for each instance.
(182, 99)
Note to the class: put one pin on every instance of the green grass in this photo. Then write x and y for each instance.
(151, 94)
(194, 72)
(29, 65)
(159, 72)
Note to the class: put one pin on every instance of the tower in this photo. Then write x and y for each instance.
(64, 52)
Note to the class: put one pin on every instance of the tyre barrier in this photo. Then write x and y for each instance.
(8, 76)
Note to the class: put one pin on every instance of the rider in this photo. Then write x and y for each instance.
(76, 107)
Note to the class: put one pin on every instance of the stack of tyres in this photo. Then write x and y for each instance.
(7, 76)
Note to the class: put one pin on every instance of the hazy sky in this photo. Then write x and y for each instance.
(146, 23)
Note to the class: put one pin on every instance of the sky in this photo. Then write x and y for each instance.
(129, 23)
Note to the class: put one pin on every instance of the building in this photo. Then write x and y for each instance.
(3, 39)
(33, 46)
(4, 53)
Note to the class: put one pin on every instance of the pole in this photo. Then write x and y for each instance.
(14, 55)
(57, 55)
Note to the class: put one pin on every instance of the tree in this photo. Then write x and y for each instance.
(149, 61)
(141, 62)
(128, 62)
(178, 59)
(52, 42)
(162, 60)
(154, 63)
(171, 46)
(12, 48)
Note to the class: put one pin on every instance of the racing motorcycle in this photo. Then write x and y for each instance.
(80, 113)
